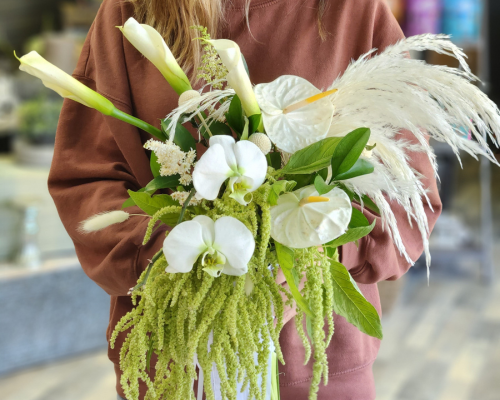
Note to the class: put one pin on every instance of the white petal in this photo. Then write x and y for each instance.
(251, 162)
(207, 228)
(210, 172)
(297, 129)
(312, 224)
(227, 143)
(236, 242)
(183, 246)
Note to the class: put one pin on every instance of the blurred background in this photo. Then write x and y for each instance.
(442, 341)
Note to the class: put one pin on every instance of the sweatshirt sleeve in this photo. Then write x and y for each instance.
(377, 258)
(98, 158)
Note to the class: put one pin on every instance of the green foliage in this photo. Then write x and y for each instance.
(274, 159)
(286, 261)
(360, 167)
(155, 165)
(254, 121)
(279, 187)
(358, 219)
(351, 235)
(234, 115)
(348, 151)
(182, 138)
(351, 304)
(38, 119)
(367, 202)
(312, 158)
(216, 127)
(320, 185)
(162, 182)
(152, 204)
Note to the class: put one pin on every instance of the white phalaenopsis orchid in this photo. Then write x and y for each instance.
(237, 76)
(303, 218)
(295, 112)
(64, 84)
(243, 163)
(151, 44)
(226, 246)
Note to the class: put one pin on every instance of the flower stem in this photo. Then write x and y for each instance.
(118, 114)
(186, 203)
(205, 124)
(148, 271)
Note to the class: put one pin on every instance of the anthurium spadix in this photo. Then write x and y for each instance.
(151, 44)
(225, 246)
(237, 76)
(70, 88)
(303, 218)
(295, 112)
(243, 163)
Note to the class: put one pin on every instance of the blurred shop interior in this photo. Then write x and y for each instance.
(442, 340)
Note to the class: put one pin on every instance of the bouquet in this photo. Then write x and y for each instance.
(274, 190)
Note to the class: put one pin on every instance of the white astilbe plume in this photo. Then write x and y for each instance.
(389, 93)
(209, 100)
(103, 220)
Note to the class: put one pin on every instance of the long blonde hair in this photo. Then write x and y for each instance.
(174, 18)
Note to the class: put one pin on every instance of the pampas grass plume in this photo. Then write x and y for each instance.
(103, 220)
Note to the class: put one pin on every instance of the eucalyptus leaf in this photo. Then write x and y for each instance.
(312, 158)
(350, 303)
(320, 185)
(286, 259)
(360, 167)
(234, 115)
(348, 151)
(182, 138)
(351, 235)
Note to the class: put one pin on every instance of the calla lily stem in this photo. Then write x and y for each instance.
(122, 116)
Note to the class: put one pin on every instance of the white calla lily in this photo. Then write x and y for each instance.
(303, 218)
(226, 246)
(151, 44)
(64, 84)
(237, 76)
(242, 162)
(70, 88)
(295, 112)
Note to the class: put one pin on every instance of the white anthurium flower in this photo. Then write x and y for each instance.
(226, 246)
(237, 76)
(295, 112)
(64, 84)
(304, 219)
(151, 44)
(243, 163)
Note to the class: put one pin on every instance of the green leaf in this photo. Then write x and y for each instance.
(217, 128)
(244, 134)
(350, 303)
(278, 188)
(302, 180)
(313, 157)
(130, 202)
(360, 167)
(358, 219)
(286, 259)
(234, 115)
(321, 186)
(367, 202)
(151, 204)
(323, 173)
(351, 235)
(182, 138)
(155, 165)
(348, 150)
(274, 160)
(254, 123)
(162, 182)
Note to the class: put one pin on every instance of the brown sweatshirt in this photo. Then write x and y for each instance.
(98, 158)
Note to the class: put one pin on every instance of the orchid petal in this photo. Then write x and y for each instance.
(207, 229)
(236, 242)
(210, 172)
(227, 142)
(299, 128)
(183, 246)
(252, 162)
